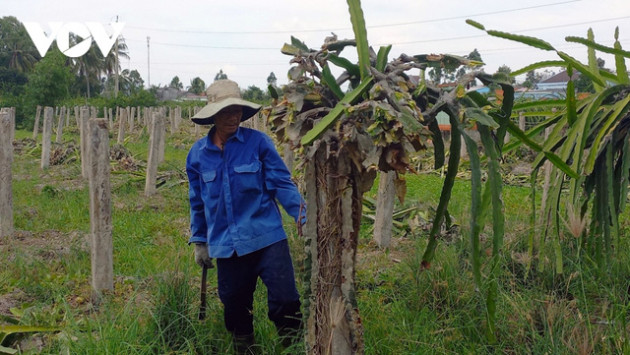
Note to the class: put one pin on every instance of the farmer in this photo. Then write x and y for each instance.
(235, 178)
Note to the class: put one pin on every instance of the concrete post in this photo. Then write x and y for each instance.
(178, 117)
(521, 121)
(384, 223)
(6, 178)
(131, 120)
(171, 120)
(122, 119)
(155, 127)
(67, 124)
(76, 116)
(100, 207)
(111, 118)
(47, 136)
(146, 116)
(255, 122)
(84, 136)
(11, 112)
(36, 126)
(197, 127)
(62, 113)
(161, 136)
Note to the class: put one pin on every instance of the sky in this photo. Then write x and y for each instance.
(189, 39)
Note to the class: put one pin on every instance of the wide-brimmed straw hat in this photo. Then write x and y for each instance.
(222, 94)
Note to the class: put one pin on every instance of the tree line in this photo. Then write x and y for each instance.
(27, 79)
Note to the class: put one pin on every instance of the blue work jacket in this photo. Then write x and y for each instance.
(233, 193)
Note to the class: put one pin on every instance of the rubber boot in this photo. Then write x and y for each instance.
(244, 344)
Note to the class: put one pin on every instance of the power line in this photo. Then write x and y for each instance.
(205, 46)
(220, 63)
(350, 28)
(396, 43)
(473, 15)
(517, 31)
(484, 51)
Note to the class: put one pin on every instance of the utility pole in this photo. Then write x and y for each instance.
(117, 65)
(148, 62)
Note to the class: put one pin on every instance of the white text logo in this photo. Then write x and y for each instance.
(61, 32)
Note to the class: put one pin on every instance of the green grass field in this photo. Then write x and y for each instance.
(45, 275)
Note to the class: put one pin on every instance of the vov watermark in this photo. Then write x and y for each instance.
(61, 32)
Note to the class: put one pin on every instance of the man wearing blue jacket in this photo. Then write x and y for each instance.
(236, 177)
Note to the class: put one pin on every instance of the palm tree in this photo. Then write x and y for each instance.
(176, 83)
(89, 65)
(112, 61)
(21, 59)
(16, 49)
(197, 86)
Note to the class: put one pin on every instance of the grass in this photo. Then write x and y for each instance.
(45, 276)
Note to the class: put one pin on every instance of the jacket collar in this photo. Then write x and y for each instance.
(208, 141)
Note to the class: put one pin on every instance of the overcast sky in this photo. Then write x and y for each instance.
(243, 38)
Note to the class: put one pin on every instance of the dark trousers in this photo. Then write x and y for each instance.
(237, 277)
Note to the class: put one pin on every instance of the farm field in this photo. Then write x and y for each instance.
(45, 271)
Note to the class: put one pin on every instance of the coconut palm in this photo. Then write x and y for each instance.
(89, 66)
(22, 58)
(197, 86)
(112, 60)
(16, 49)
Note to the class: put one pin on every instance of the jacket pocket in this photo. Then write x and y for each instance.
(248, 177)
(209, 181)
(209, 176)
